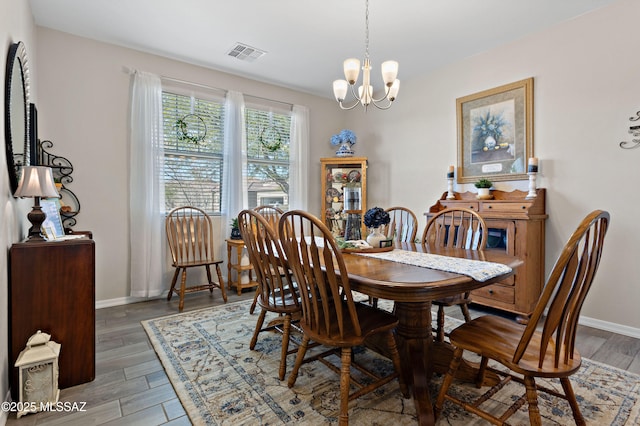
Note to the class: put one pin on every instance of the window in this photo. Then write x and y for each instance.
(194, 147)
(267, 157)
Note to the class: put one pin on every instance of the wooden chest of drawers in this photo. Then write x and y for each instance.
(516, 225)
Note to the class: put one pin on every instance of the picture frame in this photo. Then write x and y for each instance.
(52, 226)
(495, 133)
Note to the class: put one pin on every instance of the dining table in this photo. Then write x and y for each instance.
(412, 288)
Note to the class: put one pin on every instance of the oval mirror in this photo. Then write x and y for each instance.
(16, 123)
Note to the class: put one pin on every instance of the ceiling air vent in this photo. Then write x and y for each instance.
(244, 52)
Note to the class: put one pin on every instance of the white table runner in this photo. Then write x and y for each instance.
(476, 269)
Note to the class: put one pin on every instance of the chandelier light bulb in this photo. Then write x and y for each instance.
(351, 70)
(389, 72)
(340, 88)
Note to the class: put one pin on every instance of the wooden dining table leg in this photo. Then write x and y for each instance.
(414, 338)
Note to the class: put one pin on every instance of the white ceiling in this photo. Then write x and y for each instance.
(306, 41)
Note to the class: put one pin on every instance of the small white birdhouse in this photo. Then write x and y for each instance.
(38, 375)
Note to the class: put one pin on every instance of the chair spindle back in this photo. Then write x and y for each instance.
(566, 290)
(456, 227)
(190, 235)
(403, 226)
(267, 257)
(314, 257)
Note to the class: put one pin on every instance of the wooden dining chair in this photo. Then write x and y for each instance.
(454, 227)
(190, 237)
(550, 352)
(330, 316)
(276, 290)
(272, 215)
(403, 225)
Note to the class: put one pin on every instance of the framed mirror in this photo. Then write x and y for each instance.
(16, 120)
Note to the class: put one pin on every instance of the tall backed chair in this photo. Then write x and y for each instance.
(190, 236)
(454, 227)
(272, 215)
(329, 314)
(548, 353)
(403, 225)
(276, 290)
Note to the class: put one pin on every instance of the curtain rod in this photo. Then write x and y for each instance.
(131, 71)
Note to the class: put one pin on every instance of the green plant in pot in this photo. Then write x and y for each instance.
(235, 229)
(484, 186)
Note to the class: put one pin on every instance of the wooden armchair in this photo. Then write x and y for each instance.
(455, 227)
(276, 290)
(272, 215)
(403, 225)
(548, 353)
(329, 314)
(190, 236)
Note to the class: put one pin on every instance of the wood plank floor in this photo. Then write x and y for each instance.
(131, 387)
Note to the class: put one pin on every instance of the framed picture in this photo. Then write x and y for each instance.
(52, 225)
(495, 133)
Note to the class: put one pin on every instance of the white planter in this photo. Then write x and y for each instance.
(484, 194)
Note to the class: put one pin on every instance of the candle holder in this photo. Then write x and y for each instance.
(532, 186)
(450, 194)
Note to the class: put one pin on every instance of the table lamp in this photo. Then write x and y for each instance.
(36, 182)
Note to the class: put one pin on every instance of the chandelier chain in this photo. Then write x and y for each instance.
(366, 31)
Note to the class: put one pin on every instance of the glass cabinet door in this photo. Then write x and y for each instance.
(344, 195)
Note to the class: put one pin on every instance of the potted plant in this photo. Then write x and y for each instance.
(484, 186)
(235, 229)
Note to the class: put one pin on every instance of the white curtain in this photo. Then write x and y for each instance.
(234, 174)
(147, 240)
(299, 159)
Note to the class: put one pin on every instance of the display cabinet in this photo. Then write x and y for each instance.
(516, 225)
(344, 195)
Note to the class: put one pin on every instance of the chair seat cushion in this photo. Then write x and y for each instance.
(372, 321)
(497, 338)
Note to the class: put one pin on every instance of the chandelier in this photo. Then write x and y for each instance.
(365, 91)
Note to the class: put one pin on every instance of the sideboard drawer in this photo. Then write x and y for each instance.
(488, 206)
(496, 292)
(473, 205)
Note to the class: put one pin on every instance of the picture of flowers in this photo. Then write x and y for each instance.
(495, 133)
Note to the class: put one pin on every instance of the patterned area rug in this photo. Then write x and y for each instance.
(220, 381)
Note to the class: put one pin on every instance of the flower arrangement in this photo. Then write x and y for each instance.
(345, 136)
(489, 125)
(376, 217)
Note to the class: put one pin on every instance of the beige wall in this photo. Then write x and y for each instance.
(16, 24)
(83, 110)
(586, 88)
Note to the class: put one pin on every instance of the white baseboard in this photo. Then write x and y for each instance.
(125, 301)
(610, 326)
(4, 415)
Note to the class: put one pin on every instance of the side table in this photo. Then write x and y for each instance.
(234, 264)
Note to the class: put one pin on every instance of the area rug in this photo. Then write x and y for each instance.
(221, 382)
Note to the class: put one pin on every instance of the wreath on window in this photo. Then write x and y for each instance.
(191, 128)
(270, 138)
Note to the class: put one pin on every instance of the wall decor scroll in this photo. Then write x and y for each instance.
(634, 131)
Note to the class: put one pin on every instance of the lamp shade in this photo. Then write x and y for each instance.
(36, 181)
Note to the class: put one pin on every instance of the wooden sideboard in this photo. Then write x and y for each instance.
(52, 288)
(517, 226)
